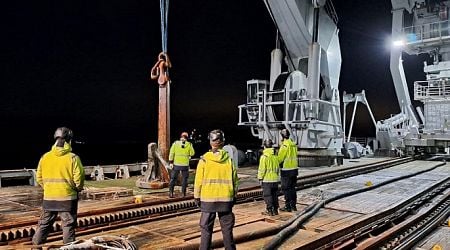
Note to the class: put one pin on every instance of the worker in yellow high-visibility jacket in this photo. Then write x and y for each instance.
(269, 177)
(180, 153)
(215, 190)
(61, 175)
(289, 171)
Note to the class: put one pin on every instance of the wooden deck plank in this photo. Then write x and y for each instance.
(239, 230)
(326, 219)
(440, 237)
(372, 201)
(178, 230)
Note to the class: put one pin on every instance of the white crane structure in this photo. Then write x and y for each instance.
(420, 27)
(305, 98)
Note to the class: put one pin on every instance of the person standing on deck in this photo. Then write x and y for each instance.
(269, 177)
(61, 175)
(180, 153)
(289, 171)
(215, 190)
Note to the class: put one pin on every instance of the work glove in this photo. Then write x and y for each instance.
(197, 202)
(171, 165)
(260, 181)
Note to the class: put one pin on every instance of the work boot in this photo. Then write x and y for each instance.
(272, 212)
(275, 211)
(294, 208)
(268, 212)
(286, 209)
(171, 194)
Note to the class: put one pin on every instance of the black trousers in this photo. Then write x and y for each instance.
(270, 194)
(174, 176)
(288, 184)
(226, 220)
(45, 226)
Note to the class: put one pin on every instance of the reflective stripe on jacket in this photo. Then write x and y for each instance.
(268, 170)
(180, 155)
(60, 173)
(215, 178)
(288, 155)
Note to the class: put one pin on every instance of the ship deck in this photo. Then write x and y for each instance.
(182, 231)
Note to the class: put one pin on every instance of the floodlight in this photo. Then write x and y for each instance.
(399, 43)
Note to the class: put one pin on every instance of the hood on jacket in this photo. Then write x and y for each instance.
(289, 143)
(268, 151)
(60, 151)
(219, 156)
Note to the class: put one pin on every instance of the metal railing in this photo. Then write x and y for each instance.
(438, 89)
(364, 141)
(429, 31)
(286, 108)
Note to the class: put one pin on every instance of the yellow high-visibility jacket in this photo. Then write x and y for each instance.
(269, 170)
(61, 174)
(288, 155)
(216, 182)
(180, 154)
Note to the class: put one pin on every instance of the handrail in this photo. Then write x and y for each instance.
(297, 109)
(419, 33)
(432, 89)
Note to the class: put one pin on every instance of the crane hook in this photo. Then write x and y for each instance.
(160, 70)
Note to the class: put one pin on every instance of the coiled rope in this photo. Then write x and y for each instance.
(102, 242)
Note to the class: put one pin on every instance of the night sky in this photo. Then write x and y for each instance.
(85, 65)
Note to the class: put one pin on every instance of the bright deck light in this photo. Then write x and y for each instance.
(399, 43)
